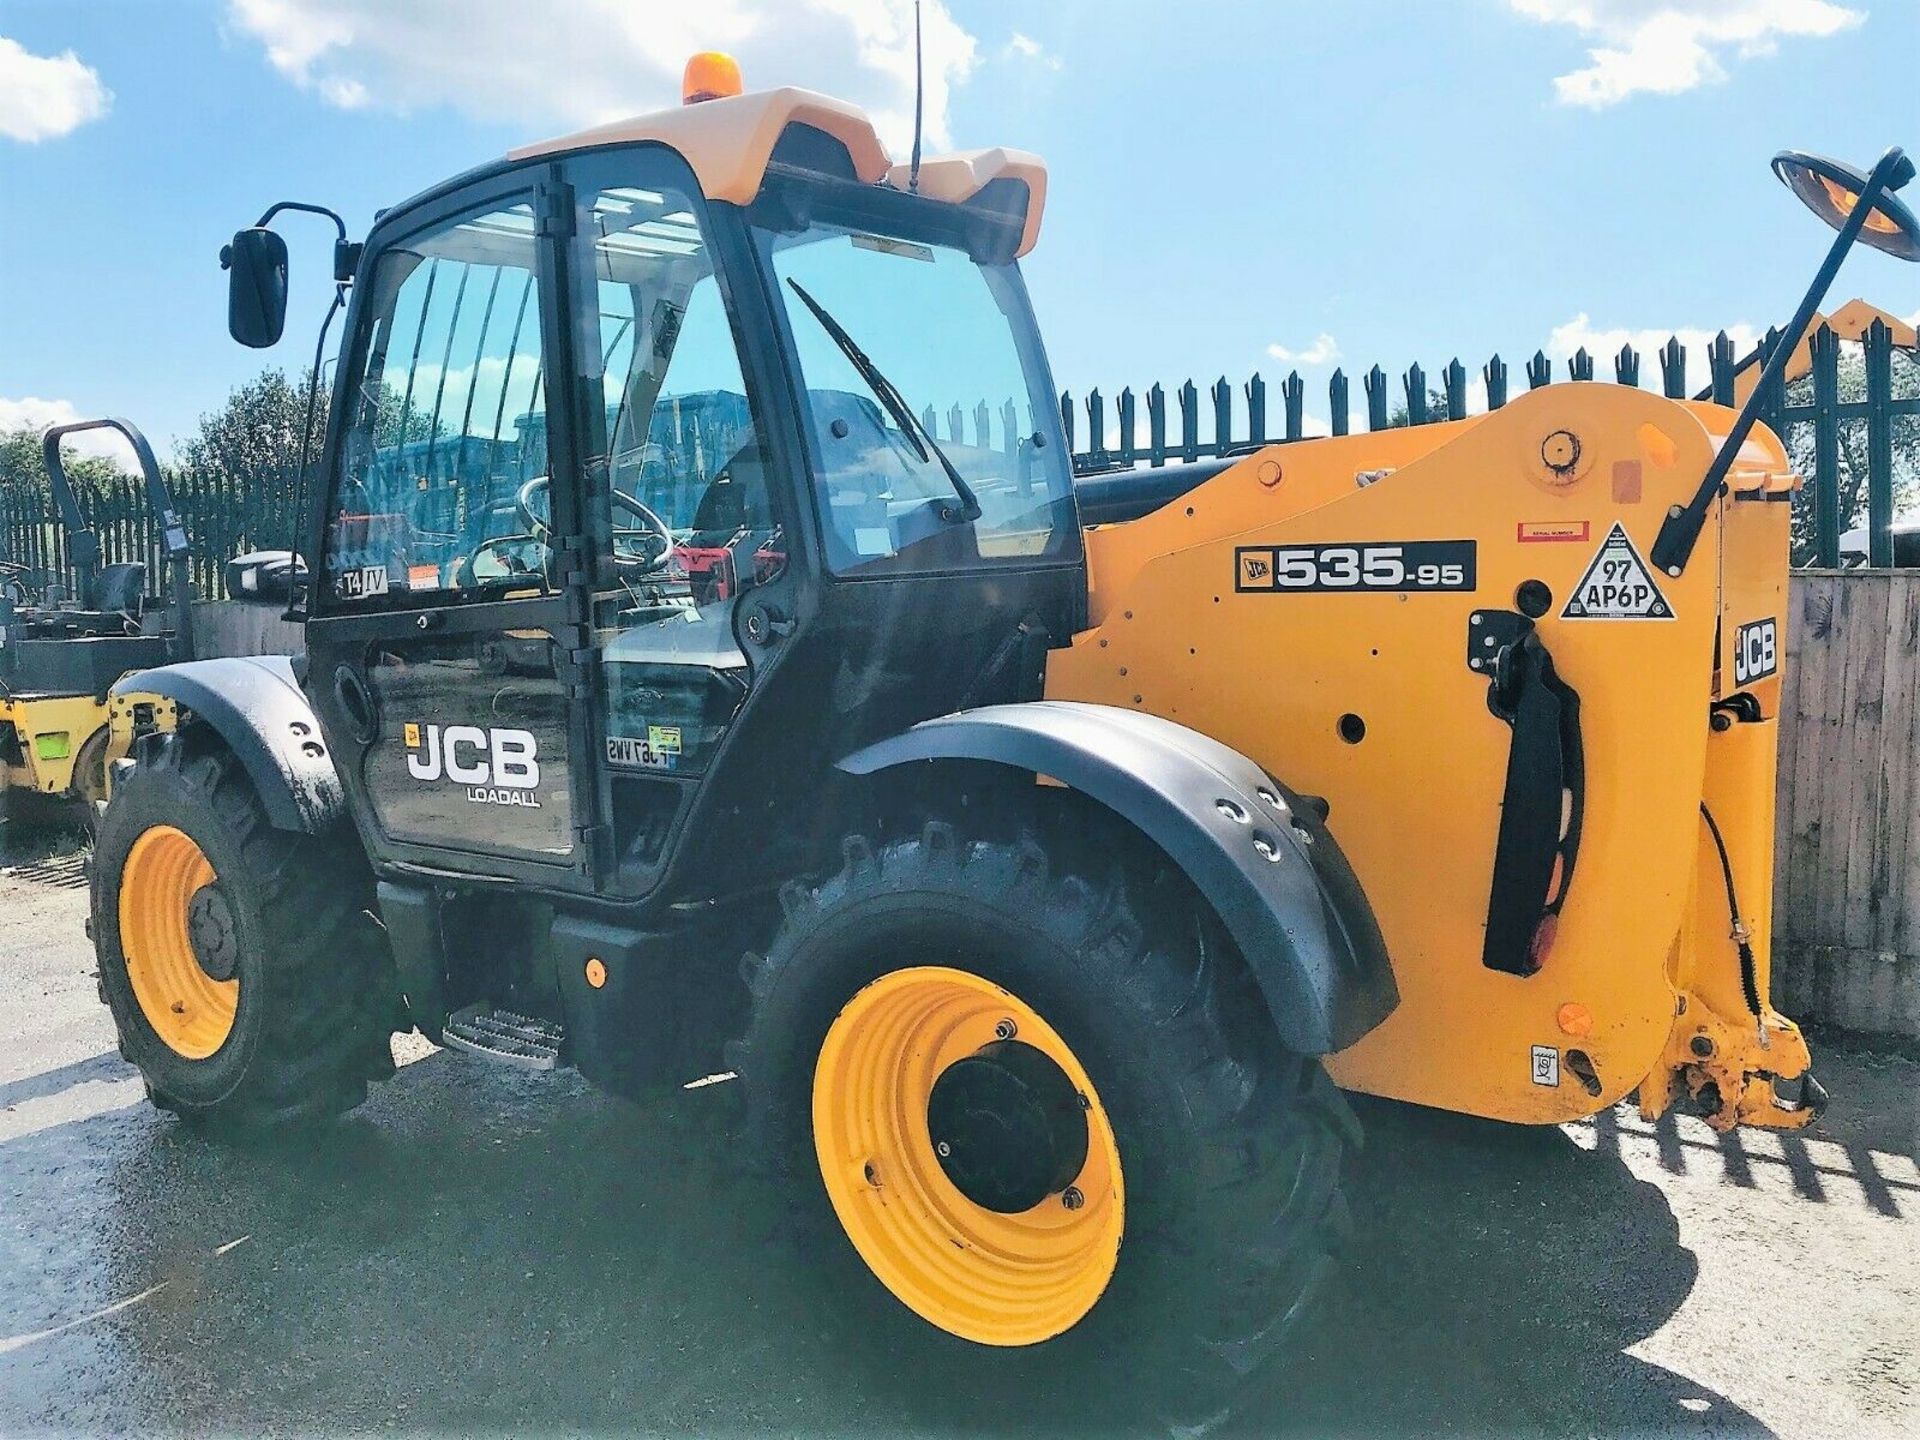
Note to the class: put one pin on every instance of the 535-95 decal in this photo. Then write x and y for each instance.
(1382, 566)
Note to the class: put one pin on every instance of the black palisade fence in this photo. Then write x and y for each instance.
(224, 515)
(1851, 424)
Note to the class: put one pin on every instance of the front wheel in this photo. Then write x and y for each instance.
(1044, 1111)
(246, 977)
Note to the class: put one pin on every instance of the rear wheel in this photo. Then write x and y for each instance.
(89, 785)
(1046, 1111)
(246, 977)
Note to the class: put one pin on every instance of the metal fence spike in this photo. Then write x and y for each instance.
(1673, 369)
(1375, 381)
(1454, 380)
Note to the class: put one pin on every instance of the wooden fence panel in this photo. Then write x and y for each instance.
(1894, 809)
(1847, 882)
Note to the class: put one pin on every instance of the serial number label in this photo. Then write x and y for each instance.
(1402, 565)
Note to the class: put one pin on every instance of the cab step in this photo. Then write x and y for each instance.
(506, 1036)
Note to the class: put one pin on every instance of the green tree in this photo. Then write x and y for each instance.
(21, 467)
(236, 477)
(1436, 409)
(256, 432)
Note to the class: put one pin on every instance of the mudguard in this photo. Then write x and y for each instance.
(256, 706)
(1262, 858)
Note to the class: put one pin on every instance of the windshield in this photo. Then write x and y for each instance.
(953, 341)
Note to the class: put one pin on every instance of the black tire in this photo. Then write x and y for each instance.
(317, 999)
(1232, 1148)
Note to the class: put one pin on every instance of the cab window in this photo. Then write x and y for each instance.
(445, 455)
(693, 522)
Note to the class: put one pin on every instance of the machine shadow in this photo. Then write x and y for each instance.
(105, 1066)
(477, 1252)
(39, 830)
(1498, 1277)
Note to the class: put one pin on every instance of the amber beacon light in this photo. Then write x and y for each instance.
(710, 75)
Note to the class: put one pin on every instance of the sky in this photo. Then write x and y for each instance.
(1234, 187)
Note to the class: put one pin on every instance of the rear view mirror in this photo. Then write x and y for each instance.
(256, 266)
(1832, 191)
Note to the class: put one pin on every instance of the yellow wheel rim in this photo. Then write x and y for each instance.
(986, 1276)
(190, 1012)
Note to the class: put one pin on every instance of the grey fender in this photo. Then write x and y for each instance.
(255, 706)
(1265, 861)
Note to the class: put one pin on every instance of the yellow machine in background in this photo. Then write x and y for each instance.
(46, 740)
(61, 653)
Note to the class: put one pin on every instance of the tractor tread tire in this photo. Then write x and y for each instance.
(317, 1029)
(1251, 1213)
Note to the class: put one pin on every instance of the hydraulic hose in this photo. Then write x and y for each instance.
(1742, 937)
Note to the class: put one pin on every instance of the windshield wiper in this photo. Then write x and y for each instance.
(883, 390)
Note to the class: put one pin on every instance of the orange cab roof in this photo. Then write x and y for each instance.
(728, 142)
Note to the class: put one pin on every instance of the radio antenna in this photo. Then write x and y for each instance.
(919, 98)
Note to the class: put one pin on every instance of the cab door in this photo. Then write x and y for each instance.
(686, 489)
(445, 620)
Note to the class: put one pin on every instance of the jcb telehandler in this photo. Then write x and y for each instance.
(61, 651)
(1075, 870)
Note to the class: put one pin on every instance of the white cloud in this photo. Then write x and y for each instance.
(1664, 47)
(30, 412)
(590, 61)
(46, 96)
(1025, 47)
(1324, 350)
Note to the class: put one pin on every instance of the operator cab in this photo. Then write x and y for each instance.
(645, 440)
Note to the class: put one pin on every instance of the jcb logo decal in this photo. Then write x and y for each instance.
(1756, 651)
(498, 766)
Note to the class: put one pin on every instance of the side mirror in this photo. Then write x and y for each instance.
(1832, 190)
(256, 266)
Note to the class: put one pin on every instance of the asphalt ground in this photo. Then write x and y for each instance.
(478, 1250)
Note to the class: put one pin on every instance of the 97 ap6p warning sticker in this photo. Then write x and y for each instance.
(1618, 585)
